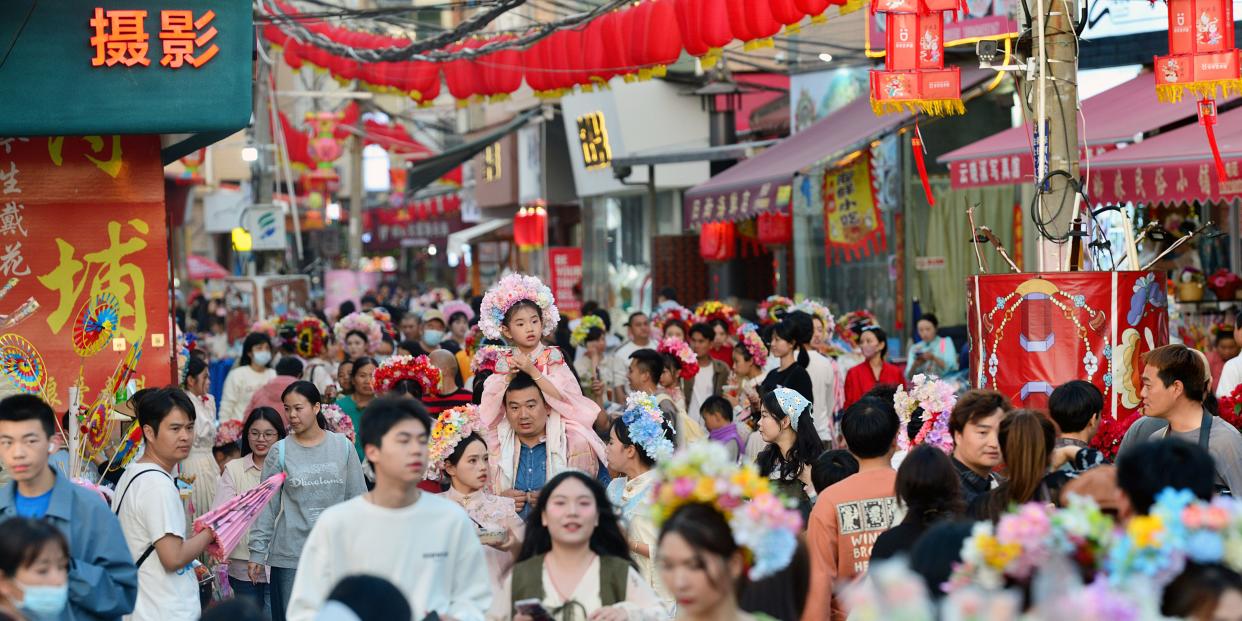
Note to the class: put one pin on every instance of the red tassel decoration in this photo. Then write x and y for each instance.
(1207, 118)
(916, 145)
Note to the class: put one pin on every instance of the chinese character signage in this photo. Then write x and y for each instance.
(593, 137)
(565, 267)
(1007, 169)
(99, 286)
(853, 226)
(135, 66)
(1166, 184)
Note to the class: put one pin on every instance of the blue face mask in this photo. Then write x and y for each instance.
(44, 601)
(433, 337)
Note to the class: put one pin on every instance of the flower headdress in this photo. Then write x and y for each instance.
(486, 358)
(338, 421)
(852, 323)
(398, 368)
(772, 309)
(312, 337)
(1179, 528)
(457, 306)
(792, 403)
(228, 433)
(579, 336)
(761, 522)
(815, 309)
(748, 337)
(450, 428)
(712, 310)
(645, 424)
(435, 297)
(936, 397)
(681, 350)
(670, 311)
(509, 291)
(384, 318)
(473, 338)
(269, 326)
(360, 322)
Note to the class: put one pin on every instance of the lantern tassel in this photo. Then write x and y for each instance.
(916, 145)
(1207, 118)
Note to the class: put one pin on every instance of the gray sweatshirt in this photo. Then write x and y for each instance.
(318, 477)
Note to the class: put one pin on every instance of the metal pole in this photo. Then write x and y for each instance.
(1058, 79)
(355, 198)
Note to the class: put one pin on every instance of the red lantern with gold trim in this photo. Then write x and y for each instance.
(717, 241)
(787, 13)
(914, 77)
(661, 41)
(597, 58)
(688, 28)
(774, 228)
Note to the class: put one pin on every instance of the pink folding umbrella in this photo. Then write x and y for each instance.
(231, 520)
(202, 268)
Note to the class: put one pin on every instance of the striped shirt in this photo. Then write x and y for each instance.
(439, 403)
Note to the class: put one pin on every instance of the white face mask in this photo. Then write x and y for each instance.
(262, 357)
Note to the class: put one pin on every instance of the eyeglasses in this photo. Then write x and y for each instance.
(263, 435)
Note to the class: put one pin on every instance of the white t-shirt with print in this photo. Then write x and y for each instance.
(150, 508)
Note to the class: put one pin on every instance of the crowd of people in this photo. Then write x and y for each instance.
(432, 458)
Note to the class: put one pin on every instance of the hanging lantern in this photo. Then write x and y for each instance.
(612, 32)
(520, 229)
(599, 70)
(324, 148)
(661, 39)
(502, 70)
(717, 241)
(763, 25)
(293, 54)
(688, 28)
(814, 8)
(774, 228)
(1202, 59)
(715, 27)
(914, 77)
(743, 30)
(787, 14)
(630, 29)
(462, 75)
(574, 43)
(541, 226)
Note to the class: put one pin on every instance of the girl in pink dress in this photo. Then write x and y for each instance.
(520, 309)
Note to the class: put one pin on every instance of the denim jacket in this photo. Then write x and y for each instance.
(103, 582)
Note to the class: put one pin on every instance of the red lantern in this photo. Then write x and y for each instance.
(739, 23)
(612, 33)
(689, 29)
(763, 24)
(717, 241)
(502, 70)
(787, 13)
(574, 43)
(293, 54)
(914, 77)
(775, 228)
(814, 8)
(630, 29)
(661, 39)
(597, 57)
(461, 75)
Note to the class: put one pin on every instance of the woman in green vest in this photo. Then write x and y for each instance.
(575, 564)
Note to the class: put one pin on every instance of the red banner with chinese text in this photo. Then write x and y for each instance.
(1012, 169)
(853, 226)
(83, 232)
(1166, 184)
(565, 268)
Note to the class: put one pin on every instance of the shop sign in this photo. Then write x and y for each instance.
(1011, 169)
(739, 204)
(565, 267)
(853, 227)
(1165, 184)
(111, 262)
(266, 226)
(593, 139)
(137, 66)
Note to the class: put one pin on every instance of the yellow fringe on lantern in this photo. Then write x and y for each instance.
(930, 107)
(710, 59)
(758, 44)
(498, 98)
(659, 71)
(644, 74)
(415, 94)
(1173, 93)
(462, 104)
(819, 19)
(588, 88)
(852, 5)
(793, 29)
(629, 78)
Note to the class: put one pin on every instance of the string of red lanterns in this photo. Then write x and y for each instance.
(530, 228)
(634, 43)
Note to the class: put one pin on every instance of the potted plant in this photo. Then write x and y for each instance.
(1190, 285)
(1224, 284)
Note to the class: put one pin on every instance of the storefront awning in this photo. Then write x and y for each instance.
(1110, 118)
(1172, 168)
(765, 181)
(425, 172)
(463, 237)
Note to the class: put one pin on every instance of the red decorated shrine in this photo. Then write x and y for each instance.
(1030, 333)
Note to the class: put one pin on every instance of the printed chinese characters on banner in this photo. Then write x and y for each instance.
(111, 189)
(852, 222)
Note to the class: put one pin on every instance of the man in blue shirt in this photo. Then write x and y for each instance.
(527, 414)
(103, 582)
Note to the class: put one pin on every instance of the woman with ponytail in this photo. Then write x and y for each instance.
(787, 347)
(1027, 438)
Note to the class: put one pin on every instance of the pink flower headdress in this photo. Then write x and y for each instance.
(509, 291)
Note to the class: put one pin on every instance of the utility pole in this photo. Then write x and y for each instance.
(1056, 108)
(356, 194)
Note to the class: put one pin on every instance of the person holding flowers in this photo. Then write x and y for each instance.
(639, 439)
(558, 423)
(457, 455)
(721, 525)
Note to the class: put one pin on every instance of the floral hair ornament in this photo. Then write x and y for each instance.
(228, 433)
(713, 310)
(338, 421)
(817, 310)
(772, 309)
(360, 322)
(670, 311)
(645, 424)
(486, 358)
(473, 338)
(312, 337)
(761, 521)
(748, 337)
(508, 292)
(1179, 528)
(680, 350)
(579, 336)
(792, 403)
(457, 306)
(398, 368)
(384, 318)
(450, 428)
(936, 397)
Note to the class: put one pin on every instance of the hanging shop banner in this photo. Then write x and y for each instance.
(1030, 333)
(853, 227)
(565, 267)
(1166, 184)
(1011, 169)
(74, 300)
(85, 67)
(417, 223)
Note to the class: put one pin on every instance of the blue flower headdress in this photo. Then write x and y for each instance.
(644, 421)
